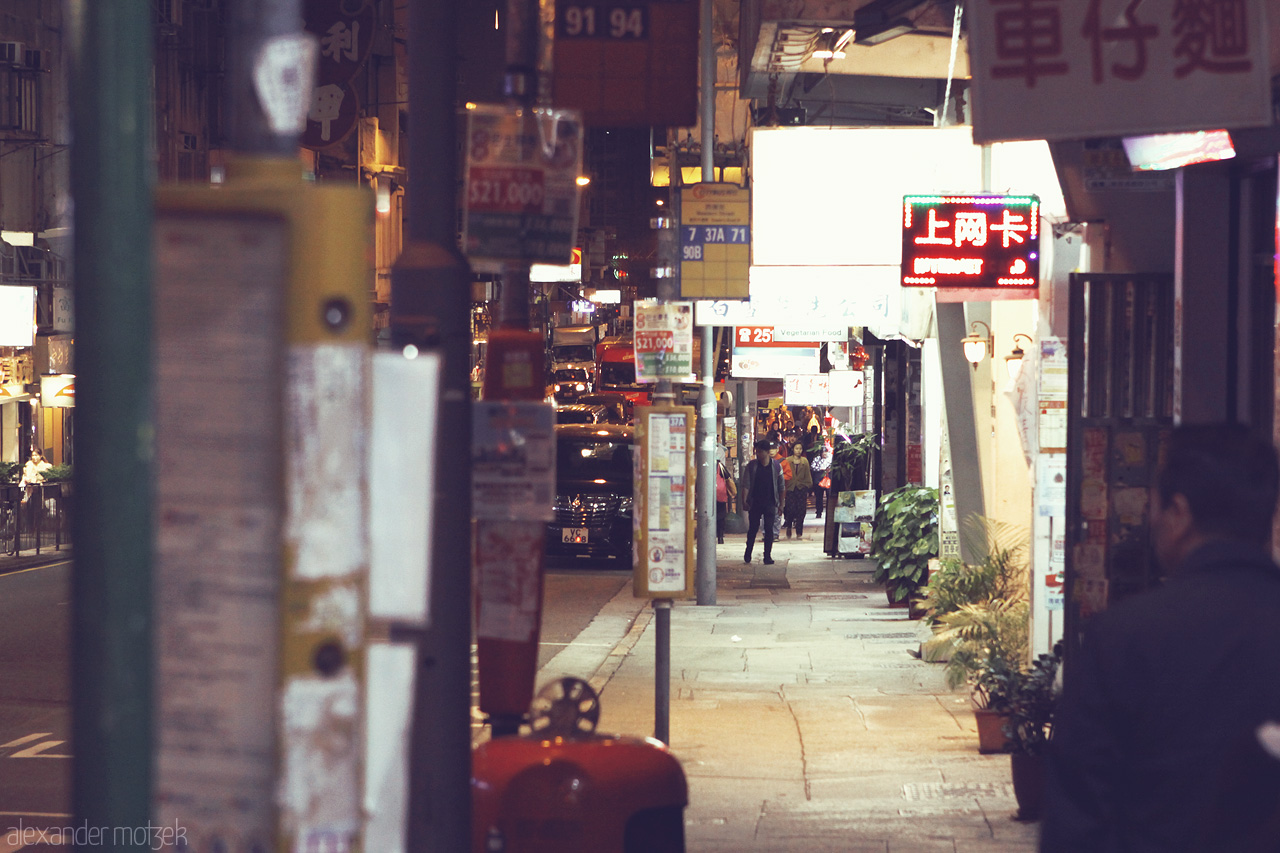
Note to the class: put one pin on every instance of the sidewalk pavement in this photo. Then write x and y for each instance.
(30, 559)
(800, 718)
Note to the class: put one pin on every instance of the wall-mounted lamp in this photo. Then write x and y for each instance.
(976, 346)
(383, 186)
(1013, 361)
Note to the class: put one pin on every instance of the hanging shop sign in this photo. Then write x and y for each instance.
(1069, 69)
(973, 241)
(806, 389)
(629, 64)
(17, 316)
(664, 341)
(715, 241)
(521, 197)
(58, 391)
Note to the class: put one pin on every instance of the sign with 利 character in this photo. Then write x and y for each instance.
(970, 241)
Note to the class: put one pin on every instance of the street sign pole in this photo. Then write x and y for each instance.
(706, 487)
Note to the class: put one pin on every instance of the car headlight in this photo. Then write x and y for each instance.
(580, 387)
(557, 387)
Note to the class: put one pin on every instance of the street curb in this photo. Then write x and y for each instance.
(596, 653)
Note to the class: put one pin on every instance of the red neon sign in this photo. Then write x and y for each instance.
(970, 241)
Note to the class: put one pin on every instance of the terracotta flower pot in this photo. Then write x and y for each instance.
(991, 736)
(1028, 784)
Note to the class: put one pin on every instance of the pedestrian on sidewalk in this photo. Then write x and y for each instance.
(726, 491)
(762, 492)
(797, 486)
(820, 470)
(33, 474)
(1168, 682)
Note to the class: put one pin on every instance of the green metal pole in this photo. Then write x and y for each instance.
(111, 182)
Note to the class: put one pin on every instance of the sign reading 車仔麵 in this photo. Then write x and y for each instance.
(1079, 69)
(971, 241)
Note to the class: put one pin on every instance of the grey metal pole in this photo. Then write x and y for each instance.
(112, 177)
(430, 307)
(705, 488)
(662, 670)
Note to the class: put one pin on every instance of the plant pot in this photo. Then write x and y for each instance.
(991, 736)
(1028, 773)
(915, 607)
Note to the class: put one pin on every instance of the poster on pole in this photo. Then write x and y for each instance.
(664, 341)
(513, 461)
(662, 518)
(521, 197)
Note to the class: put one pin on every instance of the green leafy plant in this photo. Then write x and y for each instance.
(1032, 703)
(991, 644)
(904, 537)
(58, 474)
(851, 461)
(1001, 574)
(10, 472)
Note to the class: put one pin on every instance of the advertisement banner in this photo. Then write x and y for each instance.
(664, 341)
(809, 389)
(59, 391)
(521, 196)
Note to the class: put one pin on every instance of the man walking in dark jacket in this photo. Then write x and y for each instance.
(1169, 683)
(761, 497)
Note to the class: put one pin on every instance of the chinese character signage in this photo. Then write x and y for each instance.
(971, 241)
(1074, 69)
(715, 241)
(521, 196)
(345, 30)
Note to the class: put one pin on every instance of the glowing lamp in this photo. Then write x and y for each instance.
(975, 345)
(1013, 361)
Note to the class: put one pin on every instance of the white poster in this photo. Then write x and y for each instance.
(17, 316)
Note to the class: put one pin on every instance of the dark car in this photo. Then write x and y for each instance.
(581, 413)
(569, 382)
(617, 405)
(593, 493)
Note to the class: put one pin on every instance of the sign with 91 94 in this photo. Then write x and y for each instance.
(602, 20)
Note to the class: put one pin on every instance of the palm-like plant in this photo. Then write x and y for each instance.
(991, 644)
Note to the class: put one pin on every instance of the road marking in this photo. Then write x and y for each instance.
(36, 568)
(20, 741)
(38, 751)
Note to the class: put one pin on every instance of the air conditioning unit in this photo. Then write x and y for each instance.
(37, 59)
(12, 53)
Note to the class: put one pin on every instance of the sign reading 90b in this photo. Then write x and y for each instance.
(598, 20)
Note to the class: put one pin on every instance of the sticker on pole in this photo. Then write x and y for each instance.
(521, 197)
(664, 341)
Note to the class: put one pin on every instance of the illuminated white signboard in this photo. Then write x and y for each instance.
(17, 316)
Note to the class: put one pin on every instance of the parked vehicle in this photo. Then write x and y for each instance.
(568, 383)
(573, 346)
(616, 370)
(594, 493)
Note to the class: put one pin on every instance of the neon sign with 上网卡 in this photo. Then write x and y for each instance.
(970, 241)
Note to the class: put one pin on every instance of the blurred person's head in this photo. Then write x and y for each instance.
(1218, 481)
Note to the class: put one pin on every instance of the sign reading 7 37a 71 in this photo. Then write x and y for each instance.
(1072, 69)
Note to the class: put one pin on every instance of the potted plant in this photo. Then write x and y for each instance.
(904, 537)
(1028, 726)
(990, 642)
(999, 575)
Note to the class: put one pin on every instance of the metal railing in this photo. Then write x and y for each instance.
(34, 518)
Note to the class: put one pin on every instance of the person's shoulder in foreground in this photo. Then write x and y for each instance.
(1167, 683)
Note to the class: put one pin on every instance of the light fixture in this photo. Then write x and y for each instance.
(582, 180)
(1013, 361)
(976, 346)
(383, 186)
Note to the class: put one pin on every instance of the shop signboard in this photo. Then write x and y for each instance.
(520, 202)
(971, 241)
(663, 341)
(17, 315)
(1071, 69)
(58, 391)
(806, 389)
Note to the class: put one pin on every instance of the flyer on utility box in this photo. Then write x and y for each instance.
(664, 341)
